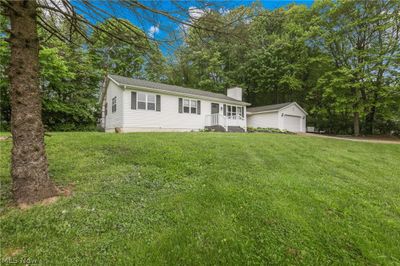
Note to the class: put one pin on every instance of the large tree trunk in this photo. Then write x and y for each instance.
(370, 118)
(356, 124)
(29, 167)
(356, 112)
(370, 121)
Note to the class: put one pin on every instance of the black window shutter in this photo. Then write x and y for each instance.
(180, 105)
(158, 103)
(133, 100)
(224, 109)
(198, 107)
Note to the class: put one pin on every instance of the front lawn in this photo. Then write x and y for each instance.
(210, 198)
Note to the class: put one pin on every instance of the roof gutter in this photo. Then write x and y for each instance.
(262, 112)
(277, 110)
(126, 86)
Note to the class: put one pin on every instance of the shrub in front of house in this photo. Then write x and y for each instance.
(267, 130)
(207, 130)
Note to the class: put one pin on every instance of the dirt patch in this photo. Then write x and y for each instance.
(63, 192)
(294, 252)
(48, 201)
(12, 252)
(371, 139)
(4, 138)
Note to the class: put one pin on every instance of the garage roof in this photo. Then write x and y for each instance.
(272, 108)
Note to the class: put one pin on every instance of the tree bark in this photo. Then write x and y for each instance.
(370, 121)
(29, 166)
(370, 118)
(356, 124)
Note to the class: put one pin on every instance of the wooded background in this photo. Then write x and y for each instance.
(340, 60)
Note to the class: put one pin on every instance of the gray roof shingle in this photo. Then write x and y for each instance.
(171, 88)
(273, 107)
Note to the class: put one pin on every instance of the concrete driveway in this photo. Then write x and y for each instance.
(377, 139)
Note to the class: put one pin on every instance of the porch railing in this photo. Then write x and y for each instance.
(217, 120)
(236, 117)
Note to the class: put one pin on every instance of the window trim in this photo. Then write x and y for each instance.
(234, 115)
(190, 101)
(114, 104)
(186, 106)
(195, 106)
(146, 102)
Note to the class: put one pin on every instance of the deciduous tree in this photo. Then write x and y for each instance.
(29, 167)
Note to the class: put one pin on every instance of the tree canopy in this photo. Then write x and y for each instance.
(338, 59)
(61, 77)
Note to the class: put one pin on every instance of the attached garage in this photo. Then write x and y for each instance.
(292, 123)
(284, 116)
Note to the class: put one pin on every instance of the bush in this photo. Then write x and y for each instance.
(267, 130)
(72, 127)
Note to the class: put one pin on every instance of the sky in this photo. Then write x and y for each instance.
(160, 27)
(271, 4)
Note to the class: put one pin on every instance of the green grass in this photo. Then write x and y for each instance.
(210, 198)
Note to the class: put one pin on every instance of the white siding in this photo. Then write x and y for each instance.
(169, 119)
(292, 118)
(113, 120)
(264, 120)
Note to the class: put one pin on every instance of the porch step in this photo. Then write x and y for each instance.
(217, 128)
(235, 129)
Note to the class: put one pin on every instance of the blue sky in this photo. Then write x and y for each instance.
(271, 4)
(159, 27)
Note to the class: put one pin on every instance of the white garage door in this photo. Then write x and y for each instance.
(292, 123)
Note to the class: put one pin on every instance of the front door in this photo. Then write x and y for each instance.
(214, 108)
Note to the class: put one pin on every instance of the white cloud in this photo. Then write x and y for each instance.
(55, 16)
(153, 30)
(223, 11)
(195, 13)
(56, 4)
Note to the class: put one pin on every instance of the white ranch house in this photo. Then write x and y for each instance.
(134, 105)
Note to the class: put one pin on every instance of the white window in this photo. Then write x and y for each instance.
(141, 100)
(114, 105)
(240, 112)
(229, 110)
(234, 112)
(151, 102)
(186, 105)
(146, 101)
(193, 107)
(190, 106)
